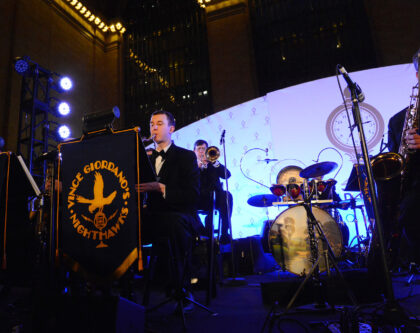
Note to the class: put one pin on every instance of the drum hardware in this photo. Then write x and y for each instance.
(320, 248)
(362, 244)
(322, 242)
(265, 160)
(262, 200)
(318, 170)
(321, 203)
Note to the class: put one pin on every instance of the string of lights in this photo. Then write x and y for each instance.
(93, 19)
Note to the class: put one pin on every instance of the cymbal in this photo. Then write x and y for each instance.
(262, 200)
(318, 169)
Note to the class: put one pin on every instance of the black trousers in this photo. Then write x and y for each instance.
(221, 206)
(410, 222)
(164, 229)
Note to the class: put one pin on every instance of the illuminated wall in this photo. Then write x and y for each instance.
(295, 124)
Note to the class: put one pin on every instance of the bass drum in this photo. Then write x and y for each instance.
(289, 239)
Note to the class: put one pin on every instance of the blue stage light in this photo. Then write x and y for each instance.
(63, 108)
(65, 83)
(21, 65)
(63, 132)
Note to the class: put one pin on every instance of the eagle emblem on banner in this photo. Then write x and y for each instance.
(94, 222)
(97, 203)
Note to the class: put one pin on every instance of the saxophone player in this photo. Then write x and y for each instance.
(409, 210)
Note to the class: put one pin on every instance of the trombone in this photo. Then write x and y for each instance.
(212, 154)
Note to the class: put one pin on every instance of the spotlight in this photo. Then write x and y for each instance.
(63, 108)
(59, 108)
(100, 120)
(21, 65)
(65, 83)
(63, 132)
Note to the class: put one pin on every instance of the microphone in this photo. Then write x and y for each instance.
(351, 84)
(222, 138)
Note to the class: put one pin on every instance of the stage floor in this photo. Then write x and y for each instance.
(245, 308)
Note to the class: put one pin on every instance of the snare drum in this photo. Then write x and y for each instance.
(289, 239)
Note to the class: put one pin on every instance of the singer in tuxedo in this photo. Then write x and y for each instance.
(409, 214)
(210, 174)
(170, 211)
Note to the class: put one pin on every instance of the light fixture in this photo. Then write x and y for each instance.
(100, 120)
(87, 15)
(65, 83)
(63, 132)
(59, 108)
(21, 65)
(63, 108)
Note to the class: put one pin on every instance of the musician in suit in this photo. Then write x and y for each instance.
(409, 211)
(210, 175)
(170, 211)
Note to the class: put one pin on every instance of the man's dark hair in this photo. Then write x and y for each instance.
(416, 60)
(200, 143)
(169, 116)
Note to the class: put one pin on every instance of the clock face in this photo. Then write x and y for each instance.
(339, 131)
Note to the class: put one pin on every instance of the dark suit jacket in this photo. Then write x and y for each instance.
(209, 178)
(181, 176)
(395, 126)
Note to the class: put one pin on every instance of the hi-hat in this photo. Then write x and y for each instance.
(318, 169)
(262, 200)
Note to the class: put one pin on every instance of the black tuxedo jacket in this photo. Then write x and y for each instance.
(210, 178)
(181, 176)
(395, 126)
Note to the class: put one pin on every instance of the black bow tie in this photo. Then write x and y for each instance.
(156, 153)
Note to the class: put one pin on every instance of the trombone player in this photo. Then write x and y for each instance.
(211, 170)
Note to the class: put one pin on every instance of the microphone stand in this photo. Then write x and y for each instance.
(392, 311)
(235, 280)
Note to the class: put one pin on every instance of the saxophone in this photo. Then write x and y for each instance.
(411, 121)
(395, 167)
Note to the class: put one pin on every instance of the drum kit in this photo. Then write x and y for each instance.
(305, 194)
